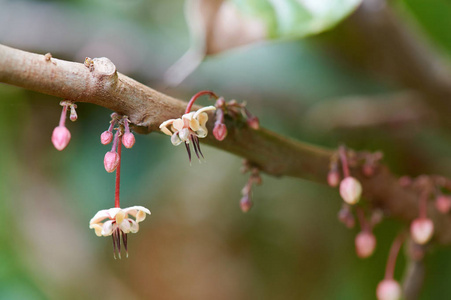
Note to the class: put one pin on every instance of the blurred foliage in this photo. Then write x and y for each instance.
(291, 18)
(196, 244)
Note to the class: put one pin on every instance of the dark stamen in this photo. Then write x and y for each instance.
(195, 146)
(198, 146)
(114, 244)
(189, 151)
(124, 241)
(118, 242)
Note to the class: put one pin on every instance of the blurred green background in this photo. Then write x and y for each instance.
(197, 244)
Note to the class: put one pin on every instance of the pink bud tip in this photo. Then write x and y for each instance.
(220, 131)
(350, 190)
(106, 137)
(422, 230)
(388, 289)
(253, 123)
(365, 243)
(245, 204)
(128, 140)
(111, 161)
(73, 116)
(443, 204)
(60, 137)
(333, 178)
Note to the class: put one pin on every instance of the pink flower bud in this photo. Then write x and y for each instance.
(60, 137)
(365, 243)
(128, 140)
(106, 137)
(245, 204)
(253, 123)
(388, 289)
(333, 178)
(422, 230)
(111, 161)
(443, 203)
(350, 190)
(220, 131)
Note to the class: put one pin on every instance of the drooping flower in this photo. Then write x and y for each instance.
(60, 137)
(188, 129)
(116, 222)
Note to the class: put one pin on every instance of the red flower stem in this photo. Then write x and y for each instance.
(118, 177)
(394, 250)
(63, 116)
(344, 161)
(423, 205)
(363, 223)
(194, 98)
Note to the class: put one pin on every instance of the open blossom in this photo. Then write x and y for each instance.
(116, 222)
(189, 128)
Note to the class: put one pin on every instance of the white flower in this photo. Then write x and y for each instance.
(190, 127)
(115, 221)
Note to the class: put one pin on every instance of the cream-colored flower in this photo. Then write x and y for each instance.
(115, 221)
(189, 128)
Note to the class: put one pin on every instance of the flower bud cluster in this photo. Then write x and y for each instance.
(123, 135)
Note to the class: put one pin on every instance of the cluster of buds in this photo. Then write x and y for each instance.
(61, 135)
(254, 178)
(123, 135)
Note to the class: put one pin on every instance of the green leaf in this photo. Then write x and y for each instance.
(297, 18)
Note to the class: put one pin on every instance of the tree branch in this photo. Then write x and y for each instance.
(98, 82)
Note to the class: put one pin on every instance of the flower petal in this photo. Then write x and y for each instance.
(98, 228)
(175, 139)
(132, 210)
(120, 216)
(202, 118)
(178, 124)
(204, 109)
(134, 226)
(100, 216)
(184, 134)
(113, 211)
(107, 228)
(194, 124)
(125, 226)
(202, 132)
(163, 126)
(140, 216)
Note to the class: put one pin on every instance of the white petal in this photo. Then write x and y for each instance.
(100, 216)
(184, 134)
(202, 118)
(175, 139)
(120, 216)
(140, 216)
(188, 116)
(98, 228)
(107, 229)
(202, 132)
(203, 109)
(194, 124)
(178, 124)
(132, 210)
(113, 211)
(164, 125)
(134, 226)
(125, 226)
